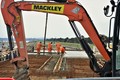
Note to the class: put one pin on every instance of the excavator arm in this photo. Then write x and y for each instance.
(75, 12)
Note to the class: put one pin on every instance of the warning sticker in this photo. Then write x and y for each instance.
(48, 8)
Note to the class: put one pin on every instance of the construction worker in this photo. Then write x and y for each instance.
(58, 45)
(49, 47)
(62, 50)
(38, 47)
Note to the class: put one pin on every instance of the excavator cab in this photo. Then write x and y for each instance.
(116, 43)
(115, 58)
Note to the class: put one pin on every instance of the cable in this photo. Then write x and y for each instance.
(45, 31)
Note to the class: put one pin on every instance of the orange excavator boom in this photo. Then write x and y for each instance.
(75, 12)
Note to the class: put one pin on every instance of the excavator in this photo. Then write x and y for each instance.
(72, 9)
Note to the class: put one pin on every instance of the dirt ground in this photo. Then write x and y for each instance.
(73, 68)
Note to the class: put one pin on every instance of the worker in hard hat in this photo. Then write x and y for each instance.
(50, 47)
(62, 50)
(38, 47)
(58, 45)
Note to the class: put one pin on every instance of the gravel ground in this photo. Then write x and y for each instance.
(73, 68)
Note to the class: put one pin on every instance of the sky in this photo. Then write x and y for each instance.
(58, 25)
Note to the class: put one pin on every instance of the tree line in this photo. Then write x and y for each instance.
(104, 38)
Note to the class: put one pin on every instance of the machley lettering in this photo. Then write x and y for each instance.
(53, 8)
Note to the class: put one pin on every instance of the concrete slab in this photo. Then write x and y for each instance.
(75, 54)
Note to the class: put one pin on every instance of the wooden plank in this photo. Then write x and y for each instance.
(45, 63)
(58, 64)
